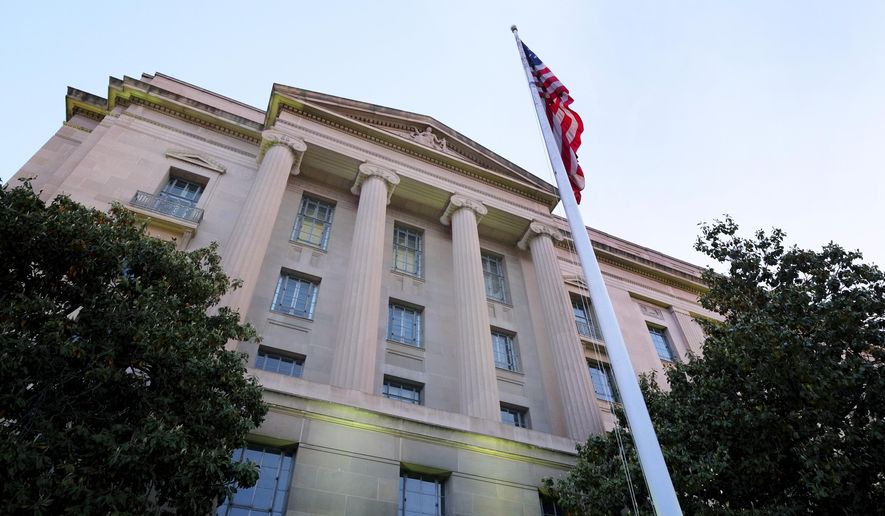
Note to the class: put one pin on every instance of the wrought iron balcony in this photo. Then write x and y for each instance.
(589, 330)
(167, 206)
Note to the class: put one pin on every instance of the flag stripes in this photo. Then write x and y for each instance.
(566, 124)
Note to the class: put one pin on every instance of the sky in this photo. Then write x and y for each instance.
(771, 111)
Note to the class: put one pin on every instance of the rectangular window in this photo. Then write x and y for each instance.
(504, 349)
(513, 415)
(408, 254)
(662, 343)
(268, 496)
(177, 199)
(602, 383)
(493, 271)
(295, 296)
(585, 319)
(279, 363)
(402, 390)
(313, 223)
(420, 495)
(404, 324)
(181, 191)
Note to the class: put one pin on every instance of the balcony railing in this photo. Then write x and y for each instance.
(589, 330)
(167, 206)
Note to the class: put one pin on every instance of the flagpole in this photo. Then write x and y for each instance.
(654, 469)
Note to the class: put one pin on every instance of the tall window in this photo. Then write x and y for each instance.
(602, 383)
(401, 390)
(420, 495)
(295, 296)
(268, 496)
(313, 222)
(404, 324)
(661, 342)
(408, 251)
(504, 349)
(513, 415)
(183, 192)
(493, 271)
(178, 199)
(279, 363)
(584, 318)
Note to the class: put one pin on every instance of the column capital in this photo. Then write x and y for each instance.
(368, 170)
(537, 229)
(272, 137)
(457, 202)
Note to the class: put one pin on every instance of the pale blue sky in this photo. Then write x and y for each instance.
(772, 111)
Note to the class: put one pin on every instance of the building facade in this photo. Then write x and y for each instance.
(427, 343)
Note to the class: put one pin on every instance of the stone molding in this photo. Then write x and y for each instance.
(196, 158)
(535, 230)
(271, 138)
(367, 170)
(457, 202)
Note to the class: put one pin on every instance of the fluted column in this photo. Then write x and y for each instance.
(479, 385)
(278, 156)
(582, 416)
(353, 365)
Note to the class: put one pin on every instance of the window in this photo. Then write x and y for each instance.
(182, 192)
(504, 349)
(177, 199)
(513, 415)
(493, 270)
(268, 496)
(408, 256)
(295, 296)
(661, 342)
(313, 222)
(602, 383)
(279, 363)
(549, 507)
(404, 324)
(402, 390)
(585, 319)
(420, 495)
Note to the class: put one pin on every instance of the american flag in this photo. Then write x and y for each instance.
(566, 124)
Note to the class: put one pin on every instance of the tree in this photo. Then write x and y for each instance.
(785, 411)
(116, 392)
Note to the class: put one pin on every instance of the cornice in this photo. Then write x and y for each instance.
(366, 150)
(134, 92)
(280, 103)
(641, 266)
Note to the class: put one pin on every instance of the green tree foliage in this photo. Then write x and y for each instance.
(116, 392)
(783, 414)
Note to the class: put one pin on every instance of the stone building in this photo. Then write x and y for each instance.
(428, 346)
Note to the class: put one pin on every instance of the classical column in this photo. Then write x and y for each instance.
(582, 416)
(278, 156)
(353, 366)
(479, 384)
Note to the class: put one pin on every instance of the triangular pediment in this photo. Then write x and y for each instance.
(415, 131)
(195, 158)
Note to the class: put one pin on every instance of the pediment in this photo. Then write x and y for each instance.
(195, 158)
(425, 134)
(575, 281)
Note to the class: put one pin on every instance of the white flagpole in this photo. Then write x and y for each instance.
(654, 469)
